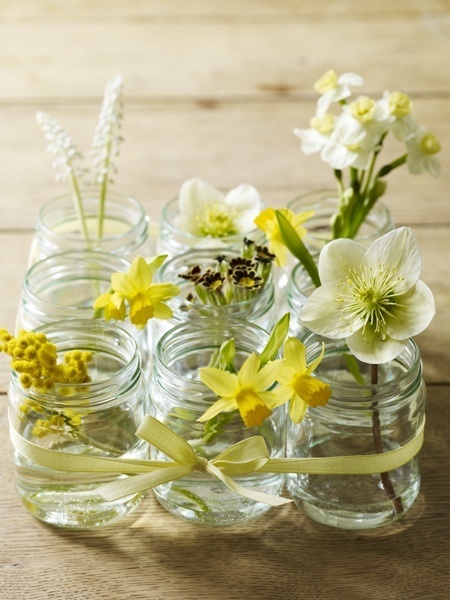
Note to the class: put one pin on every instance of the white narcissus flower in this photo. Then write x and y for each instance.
(334, 88)
(399, 106)
(317, 136)
(371, 297)
(205, 211)
(422, 148)
(350, 145)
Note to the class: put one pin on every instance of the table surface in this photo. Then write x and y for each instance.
(214, 89)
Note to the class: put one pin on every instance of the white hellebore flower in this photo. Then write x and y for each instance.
(422, 148)
(334, 88)
(348, 145)
(371, 297)
(205, 211)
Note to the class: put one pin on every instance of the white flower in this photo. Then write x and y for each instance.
(422, 147)
(205, 211)
(399, 106)
(349, 144)
(334, 88)
(317, 137)
(371, 297)
(374, 116)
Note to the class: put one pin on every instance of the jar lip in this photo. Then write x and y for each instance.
(98, 390)
(90, 194)
(187, 329)
(165, 219)
(313, 344)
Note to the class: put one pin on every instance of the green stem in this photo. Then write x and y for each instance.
(78, 205)
(378, 443)
(103, 191)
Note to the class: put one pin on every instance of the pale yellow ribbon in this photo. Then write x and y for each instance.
(245, 457)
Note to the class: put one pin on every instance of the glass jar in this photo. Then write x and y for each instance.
(299, 288)
(173, 241)
(65, 286)
(58, 227)
(324, 204)
(98, 418)
(359, 419)
(179, 398)
(259, 309)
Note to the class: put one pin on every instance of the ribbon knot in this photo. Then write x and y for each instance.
(201, 464)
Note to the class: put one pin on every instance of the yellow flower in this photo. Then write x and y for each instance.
(363, 109)
(400, 104)
(245, 391)
(296, 381)
(146, 299)
(268, 222)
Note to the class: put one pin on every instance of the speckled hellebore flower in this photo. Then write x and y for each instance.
(245, 391)
(371, 297)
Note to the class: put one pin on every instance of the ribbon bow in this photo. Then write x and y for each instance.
(242, 458)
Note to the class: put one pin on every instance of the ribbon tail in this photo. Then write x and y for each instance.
(246, 492)
(144, 481)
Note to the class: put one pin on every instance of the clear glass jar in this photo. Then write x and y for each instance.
(173, 241)
(58, 227)
(299, 288)
(179, 398)
(259, 310)
(324, 204)
(359, 419)
(99, 418)
(65, 286)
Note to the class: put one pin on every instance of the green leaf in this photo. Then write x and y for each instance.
(297, 247)
(227, 352)
(353, 368)
(276, 340)
(155, 262)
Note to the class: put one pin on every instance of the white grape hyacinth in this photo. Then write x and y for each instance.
(371, 297)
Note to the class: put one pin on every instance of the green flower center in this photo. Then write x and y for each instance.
(370, 295)
(216, 220)
(429, 144)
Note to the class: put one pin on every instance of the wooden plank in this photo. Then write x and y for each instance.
(41, 58)
(213, 9)
(226, 144)
(153, 555)
(434, 244)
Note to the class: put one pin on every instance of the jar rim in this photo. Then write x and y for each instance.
(97, 391)
(90, 194)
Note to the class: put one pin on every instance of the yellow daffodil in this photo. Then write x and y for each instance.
(146, 299)
(297, 383)
(245, 391)
(268, 222)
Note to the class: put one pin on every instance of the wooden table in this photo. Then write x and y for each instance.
(214, 89)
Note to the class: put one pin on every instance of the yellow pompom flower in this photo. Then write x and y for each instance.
(297, 383)
(245, 391)
(145, 298)
(268, 222)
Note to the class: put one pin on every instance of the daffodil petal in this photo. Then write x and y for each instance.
(162, 291)
(297, 409)
(414, 316)
(267, 376)
(337, 257)
(316, 362)
(294, 354)
(121, 284)
(312, 391)
(220, 382)
(247, 373)
(252, 409)
(162, 311)
(102, 301)
(279, 396)
(286, 375)
(140, 274)
(265, 216)
(223, 404)
(368, 347)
